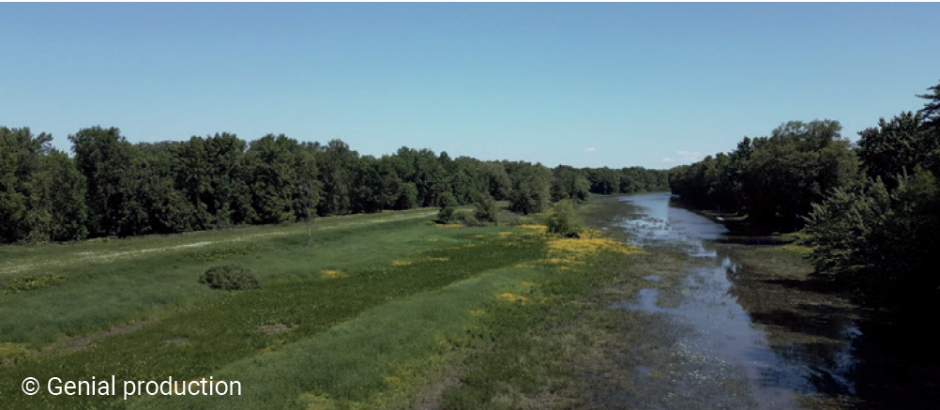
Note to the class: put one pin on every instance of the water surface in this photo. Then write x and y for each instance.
(731, 335)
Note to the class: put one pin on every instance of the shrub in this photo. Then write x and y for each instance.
(229, 277)
(467, 219)
(565, 220)
(486, 209)
(448, 208)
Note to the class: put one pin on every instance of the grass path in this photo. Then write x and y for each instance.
(63, 256)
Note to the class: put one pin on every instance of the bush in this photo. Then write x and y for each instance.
(229, 277)
(486, 209)
(565, 220)
(467, 219)
(448, 208)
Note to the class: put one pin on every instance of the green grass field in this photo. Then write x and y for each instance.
(384, 311)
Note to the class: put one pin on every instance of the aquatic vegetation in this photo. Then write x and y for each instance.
(569, 251)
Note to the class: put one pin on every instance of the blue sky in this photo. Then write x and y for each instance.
(579, 84)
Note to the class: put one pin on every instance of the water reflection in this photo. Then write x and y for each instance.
(786, 344)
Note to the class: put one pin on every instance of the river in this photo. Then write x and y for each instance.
(738, 328)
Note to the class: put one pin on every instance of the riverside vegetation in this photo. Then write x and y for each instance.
(386, 310)
(871, 210)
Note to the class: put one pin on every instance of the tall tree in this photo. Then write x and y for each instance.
(531, 188)
(338, 166)
(497, 180)
(882, 242)
(895, 147)
(569, 183)
(931, 110)
(111, 168)
(799, 164)
(277, 164)
(57, 210)
(20, 153)
(167, 208)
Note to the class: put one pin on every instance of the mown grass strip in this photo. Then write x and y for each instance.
(98, 296)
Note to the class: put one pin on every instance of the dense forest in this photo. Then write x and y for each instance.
(870, 210)
(111, 187)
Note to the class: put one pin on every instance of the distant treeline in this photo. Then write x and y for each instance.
(872, 209)
(110, 187)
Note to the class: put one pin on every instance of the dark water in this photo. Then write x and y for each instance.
(737, 336)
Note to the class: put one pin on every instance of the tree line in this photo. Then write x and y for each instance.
(111, 187)
(871, 209)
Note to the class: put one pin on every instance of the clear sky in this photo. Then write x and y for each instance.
(594, 85)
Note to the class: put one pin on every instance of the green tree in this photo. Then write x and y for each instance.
(166, 208)
(531, 188)
(497, 181)
(568, 182)
(112, 168)
(408, 198)
(430, 178)
(208, 174)
(604, 181)
(799, 164)
(468, 180)
(57, 210)
(882, 242)
(895, 147)
(272, 178)
(377, 186)
(338, 167)
(931, 110)
(20, 156)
